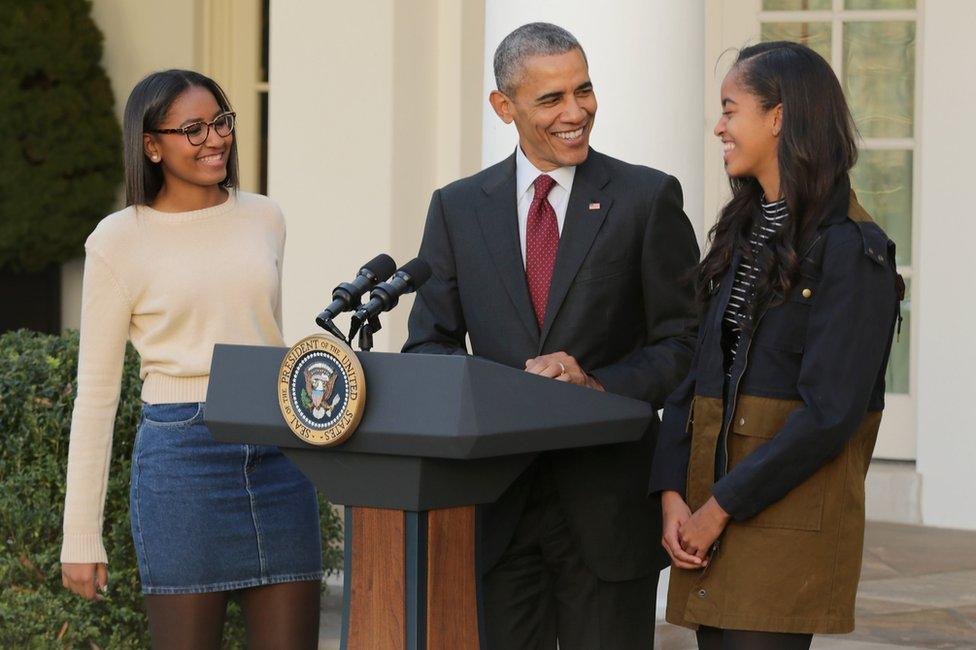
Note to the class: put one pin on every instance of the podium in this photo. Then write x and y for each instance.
(440, 434)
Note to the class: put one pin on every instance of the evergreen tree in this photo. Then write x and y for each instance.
(60, 141)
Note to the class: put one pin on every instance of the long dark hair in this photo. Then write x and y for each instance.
(816, 149)
(145, 110)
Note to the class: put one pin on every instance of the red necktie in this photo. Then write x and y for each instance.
(541, 244)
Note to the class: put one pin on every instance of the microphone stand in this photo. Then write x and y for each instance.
(370, 327)
(366, 330)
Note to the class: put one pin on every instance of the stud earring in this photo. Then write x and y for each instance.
(155, 158)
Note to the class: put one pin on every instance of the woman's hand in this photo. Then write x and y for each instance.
(699, 532)
(85, 579)
(676, 512)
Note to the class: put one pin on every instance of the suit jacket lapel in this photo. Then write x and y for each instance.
(579, 230)
(498, 215)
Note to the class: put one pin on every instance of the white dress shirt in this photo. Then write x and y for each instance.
(525, 175)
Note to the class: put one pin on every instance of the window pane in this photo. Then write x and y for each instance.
(814, 35)
(879, 77)
(883, 182)
(896, 377)
(795, 5)
(879, 4)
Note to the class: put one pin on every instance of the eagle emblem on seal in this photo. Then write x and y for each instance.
(321, 390)
(320, 382)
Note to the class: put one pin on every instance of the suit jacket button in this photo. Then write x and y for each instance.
(702, 593)
(807, 293)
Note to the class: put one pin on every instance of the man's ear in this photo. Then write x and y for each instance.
(777, 119)
(502, 105)
(150, 148)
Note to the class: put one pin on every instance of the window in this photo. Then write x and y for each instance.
(234, 51)
(871, 45)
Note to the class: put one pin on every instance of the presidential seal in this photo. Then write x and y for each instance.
(321, 390)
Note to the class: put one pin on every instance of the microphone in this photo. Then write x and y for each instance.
(386, 295)
(346, 296)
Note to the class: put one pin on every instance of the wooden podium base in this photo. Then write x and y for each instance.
(410, 580)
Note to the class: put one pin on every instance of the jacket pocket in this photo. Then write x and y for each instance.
(802, 507)
(784, 326)
(605, 271)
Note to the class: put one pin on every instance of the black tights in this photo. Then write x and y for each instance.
(712, 638)
(283, 616)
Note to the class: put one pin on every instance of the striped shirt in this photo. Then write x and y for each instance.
(738, 312)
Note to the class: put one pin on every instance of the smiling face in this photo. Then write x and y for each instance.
(203, 165)
(749, 133)
(553, 108)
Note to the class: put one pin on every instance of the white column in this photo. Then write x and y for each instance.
(370, 111)
(945, 311)
(646, 61)
(329, 148)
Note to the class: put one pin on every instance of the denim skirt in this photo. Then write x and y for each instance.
(210, 516)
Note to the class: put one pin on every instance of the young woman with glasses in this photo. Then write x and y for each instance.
(191, 261)
(763, 449)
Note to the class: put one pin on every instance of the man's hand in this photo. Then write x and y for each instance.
(85, 579)
(701, 530)
(676, 512)
(561, 367)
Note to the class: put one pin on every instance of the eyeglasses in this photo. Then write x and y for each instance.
(197, 132)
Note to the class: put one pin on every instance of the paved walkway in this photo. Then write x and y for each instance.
(918, 590)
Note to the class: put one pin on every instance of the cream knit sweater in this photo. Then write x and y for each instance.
(174, 284)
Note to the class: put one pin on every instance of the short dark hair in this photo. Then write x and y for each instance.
(533, 39)
(145, 110)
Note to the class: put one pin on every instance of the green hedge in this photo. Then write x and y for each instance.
(37, 386)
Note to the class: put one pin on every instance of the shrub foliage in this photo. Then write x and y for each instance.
(37, 387)
(60, 141)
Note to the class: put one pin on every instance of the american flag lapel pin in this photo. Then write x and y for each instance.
(594, 206)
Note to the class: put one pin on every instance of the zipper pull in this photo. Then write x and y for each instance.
(710, 557)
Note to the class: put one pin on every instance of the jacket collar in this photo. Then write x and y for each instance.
(585, 214)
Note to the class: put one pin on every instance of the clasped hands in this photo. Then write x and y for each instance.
(561, 367)
(687, 537)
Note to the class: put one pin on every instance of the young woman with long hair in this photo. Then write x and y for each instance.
(191, 261)
(764, 447)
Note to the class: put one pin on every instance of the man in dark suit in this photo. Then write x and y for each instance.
(575, 266)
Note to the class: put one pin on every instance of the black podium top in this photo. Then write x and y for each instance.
(462, 427)
(428, 405)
